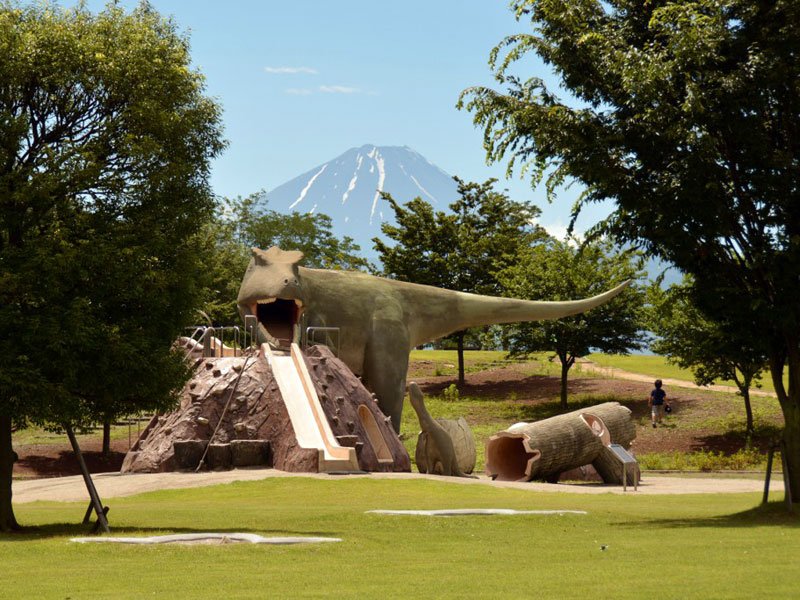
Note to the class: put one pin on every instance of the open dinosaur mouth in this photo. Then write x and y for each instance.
(277, 318)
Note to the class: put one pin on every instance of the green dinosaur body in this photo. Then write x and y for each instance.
(380, 320)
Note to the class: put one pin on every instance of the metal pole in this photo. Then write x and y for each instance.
(98, 506)
(251, 327)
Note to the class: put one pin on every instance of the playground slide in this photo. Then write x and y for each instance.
(305, 411)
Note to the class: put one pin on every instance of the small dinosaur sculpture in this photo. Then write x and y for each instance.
(440, 456)
(380, 319)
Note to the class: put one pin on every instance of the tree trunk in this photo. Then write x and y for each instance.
(744, 390)
(790, 406)
(460, 341)
(749, 411)
(106, 438)
(566, 364)
(7, 458)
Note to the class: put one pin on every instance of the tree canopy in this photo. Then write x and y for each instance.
(105, 143)
(460, 250)
(709, 349)
(560, 270)
(686, 115)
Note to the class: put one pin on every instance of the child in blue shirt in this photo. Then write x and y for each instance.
(658, 397)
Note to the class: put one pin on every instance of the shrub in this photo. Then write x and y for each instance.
(450, 393)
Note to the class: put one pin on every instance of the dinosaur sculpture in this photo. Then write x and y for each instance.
(438, 455)
(380, 319)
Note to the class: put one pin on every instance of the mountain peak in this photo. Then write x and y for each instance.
(348, 187)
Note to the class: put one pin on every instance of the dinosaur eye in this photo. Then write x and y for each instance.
(285, 281)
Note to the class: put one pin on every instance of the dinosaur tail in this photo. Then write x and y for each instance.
(473, 310)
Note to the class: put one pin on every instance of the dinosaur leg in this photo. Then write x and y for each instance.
(386, 366)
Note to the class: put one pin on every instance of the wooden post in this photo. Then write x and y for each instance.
(770, 455)
(787, 491)
(96, 504)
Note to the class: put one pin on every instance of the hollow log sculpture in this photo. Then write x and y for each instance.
(544, 449)
(444, 446)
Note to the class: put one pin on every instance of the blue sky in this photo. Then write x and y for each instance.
(301, 82)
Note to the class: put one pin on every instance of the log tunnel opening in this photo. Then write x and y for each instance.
(598, 428)
(509, 459)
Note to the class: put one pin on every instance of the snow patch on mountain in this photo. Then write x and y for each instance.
(381, 180)
(308, 187)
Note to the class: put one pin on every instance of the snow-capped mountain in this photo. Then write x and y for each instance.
(347, 187)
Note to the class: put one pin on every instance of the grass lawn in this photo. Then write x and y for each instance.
(445, 362)
(37, 435)
(701, 546)
(658, 367)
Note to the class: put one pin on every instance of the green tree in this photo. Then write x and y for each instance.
(692, 341)
(105, 144)
(307, 232)
(561, 271)
(686, 115)
(461, 250)
(243, 223)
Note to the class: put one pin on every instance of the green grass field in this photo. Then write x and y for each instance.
(445, 363)
(722, 414)
(722, 546)
(541, 363)
(658, 367)
(700, 546)
(37, 435)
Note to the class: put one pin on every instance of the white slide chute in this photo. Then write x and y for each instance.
(310, 424)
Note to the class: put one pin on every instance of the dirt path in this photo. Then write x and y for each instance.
(588, 365)
(117, 485)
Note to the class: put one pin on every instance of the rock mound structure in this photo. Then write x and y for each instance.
(256, 427)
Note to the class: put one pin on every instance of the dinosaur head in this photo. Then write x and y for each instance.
(272, 291)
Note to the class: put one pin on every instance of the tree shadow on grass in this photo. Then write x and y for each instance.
(544, 410)
(772, 514)
(64, 463)
(734, 440)
(61, 530)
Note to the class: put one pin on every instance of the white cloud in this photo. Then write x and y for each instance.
(558, 230)
(338, 89)
(298, 91)
(290, 70)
